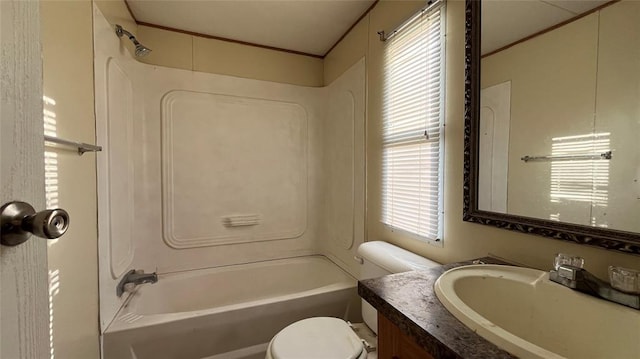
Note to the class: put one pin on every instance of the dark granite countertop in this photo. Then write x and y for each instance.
(409, 301)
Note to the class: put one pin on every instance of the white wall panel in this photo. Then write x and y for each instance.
(340, 166)
(234, 169)
(119, 176)
(222, 171)
(344, 167)
(116, 113)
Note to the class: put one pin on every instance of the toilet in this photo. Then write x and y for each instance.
(324, 337)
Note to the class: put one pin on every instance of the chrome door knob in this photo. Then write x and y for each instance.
(18, 220)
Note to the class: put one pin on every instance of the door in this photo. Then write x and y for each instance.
(495, 119)
(24, 312)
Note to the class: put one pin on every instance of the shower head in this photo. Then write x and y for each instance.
(141, 50)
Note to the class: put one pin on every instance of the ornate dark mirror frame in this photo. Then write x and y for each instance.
(622, 241)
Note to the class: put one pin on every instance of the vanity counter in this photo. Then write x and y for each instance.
(408, 300)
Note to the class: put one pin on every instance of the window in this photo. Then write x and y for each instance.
(413, 123)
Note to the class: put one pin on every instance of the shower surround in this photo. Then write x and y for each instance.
(204, 171)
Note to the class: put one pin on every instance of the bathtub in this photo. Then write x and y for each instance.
(228, 312)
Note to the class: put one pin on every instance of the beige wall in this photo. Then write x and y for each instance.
(348, 51)
(182, 51)
(462, 240)
(67, 44)
(552, 95)
(173, 49)
(116, 12)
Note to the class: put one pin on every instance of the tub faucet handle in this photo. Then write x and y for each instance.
(129, 287)
(132, 279)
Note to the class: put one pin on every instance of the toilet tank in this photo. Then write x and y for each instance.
(382, 258)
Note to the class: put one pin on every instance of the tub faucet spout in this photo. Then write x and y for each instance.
(134, 278)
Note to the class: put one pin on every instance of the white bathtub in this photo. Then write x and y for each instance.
(228, 312)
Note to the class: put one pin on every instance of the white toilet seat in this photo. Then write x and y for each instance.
(317, 338)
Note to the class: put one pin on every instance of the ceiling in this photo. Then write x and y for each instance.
(507, 21)
(308, 26)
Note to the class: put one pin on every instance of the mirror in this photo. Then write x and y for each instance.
(552, 119)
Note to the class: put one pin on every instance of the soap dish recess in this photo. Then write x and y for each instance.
(241, 221)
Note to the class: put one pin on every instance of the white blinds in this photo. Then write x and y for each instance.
(413, 112)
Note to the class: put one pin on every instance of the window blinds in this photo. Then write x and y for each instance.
(413, 112)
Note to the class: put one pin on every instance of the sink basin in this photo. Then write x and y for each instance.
(524, 313)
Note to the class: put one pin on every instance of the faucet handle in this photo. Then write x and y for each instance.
(625, 279)
(562, 258)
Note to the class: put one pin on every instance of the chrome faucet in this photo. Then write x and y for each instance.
(134, 278)
(579, 279)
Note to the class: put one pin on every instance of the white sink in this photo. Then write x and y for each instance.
(524, 313)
